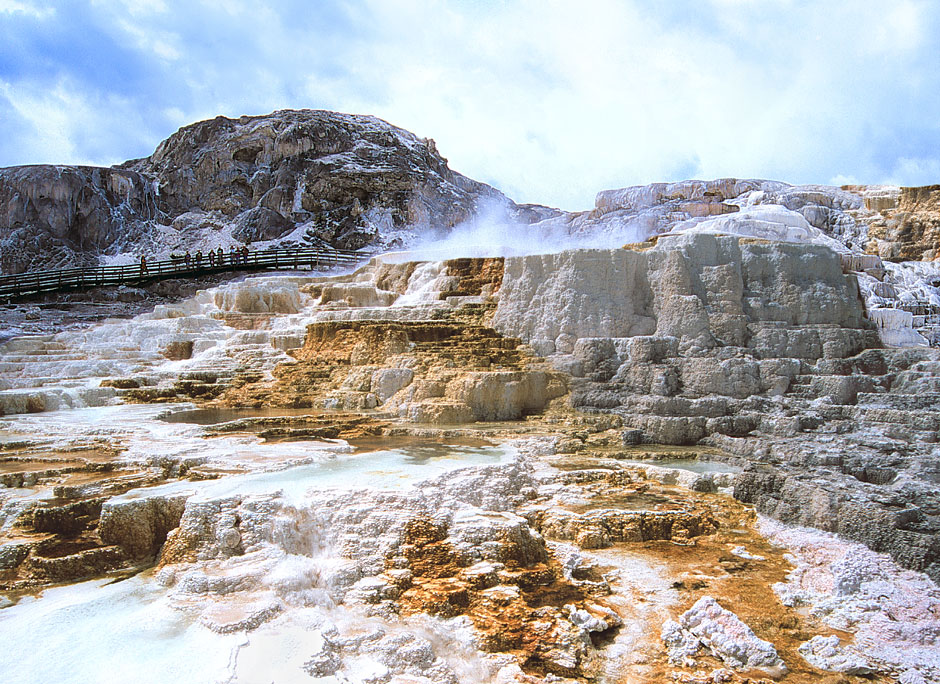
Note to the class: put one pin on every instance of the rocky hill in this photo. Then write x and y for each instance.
(297, 176)
(315, 177)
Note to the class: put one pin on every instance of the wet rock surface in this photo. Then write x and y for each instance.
(759, 349)
(699, 367)
(447, 367)
(784, 373)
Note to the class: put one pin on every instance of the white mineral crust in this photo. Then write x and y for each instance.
(723, 633)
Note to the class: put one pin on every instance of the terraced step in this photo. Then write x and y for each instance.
(895, 400)
(917, 382)
(62, 562)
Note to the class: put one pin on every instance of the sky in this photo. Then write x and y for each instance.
(548, 101)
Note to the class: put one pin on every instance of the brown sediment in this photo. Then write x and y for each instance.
(188, 389)
(395, 277)
(315, 425)
(642, 246)
(744, 586)
(516, 607)
(384, 440)
(243, 321)
(179, 350)
(121, 383)
(476, 277)
(457, 372)
(54, 539)
(369, 342)
(909, 231)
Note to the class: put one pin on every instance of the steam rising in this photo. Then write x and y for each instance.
(493, 232)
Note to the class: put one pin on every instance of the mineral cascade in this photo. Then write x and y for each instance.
(690, 435)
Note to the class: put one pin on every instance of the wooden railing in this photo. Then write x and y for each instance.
(37, 282)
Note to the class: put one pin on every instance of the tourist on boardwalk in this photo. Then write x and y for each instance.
(198, 258)
(143, 265)
(232, 255)
(211, 257)
(245, 254)
(188, 258)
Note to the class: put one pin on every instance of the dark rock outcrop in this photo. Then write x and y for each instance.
(349, 175)
(68, 215)
(347, 180)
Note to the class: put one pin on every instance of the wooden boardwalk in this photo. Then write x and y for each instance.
(39, 282)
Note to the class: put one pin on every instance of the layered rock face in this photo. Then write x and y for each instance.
(436, 361)
(909, 227)
(343, 180)
(703, 291)
(761, 349)
(883, 233)
(67, 215)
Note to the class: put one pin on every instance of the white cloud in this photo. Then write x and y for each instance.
(27, 8)
(162, 44)
(916, 171)
(549, 101)
(901, 28)
(70, 126)
(844, 180)
(51, 115)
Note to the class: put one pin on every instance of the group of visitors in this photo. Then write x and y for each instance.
(216, 257)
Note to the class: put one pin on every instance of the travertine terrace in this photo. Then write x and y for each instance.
(693, 439)
(749, 361)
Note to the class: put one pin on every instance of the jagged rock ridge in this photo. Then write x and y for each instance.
(305, 176)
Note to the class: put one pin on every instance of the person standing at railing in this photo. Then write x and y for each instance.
(232, 256)
(211, 258)
(189, 259)
(245, 254)
(143, 265)
(198, 258)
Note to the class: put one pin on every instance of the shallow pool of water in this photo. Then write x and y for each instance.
(214, 416)
(95, 632)
(692, 465)
(389, 469)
